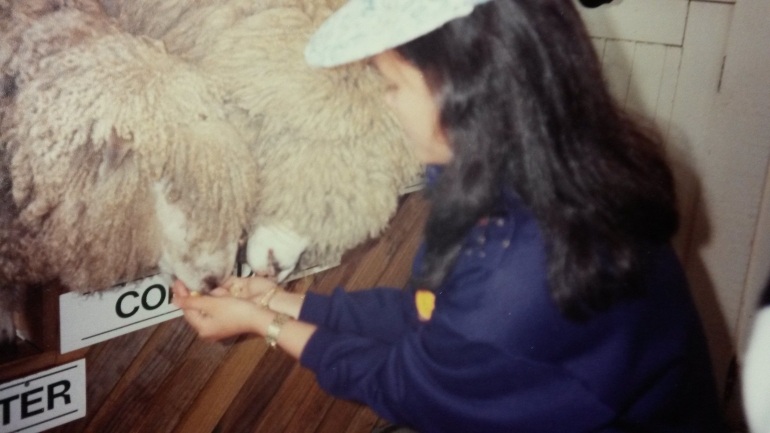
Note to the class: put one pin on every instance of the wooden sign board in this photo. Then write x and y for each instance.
(93, 318)
(44, 400)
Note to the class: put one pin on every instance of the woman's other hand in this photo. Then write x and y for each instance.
(252, 288)
(219, 315)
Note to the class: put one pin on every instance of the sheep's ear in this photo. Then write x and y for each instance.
(117, 150)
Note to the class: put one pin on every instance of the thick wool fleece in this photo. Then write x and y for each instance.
(153, 18)
(332, 159)
(102, 133)
(341, 158)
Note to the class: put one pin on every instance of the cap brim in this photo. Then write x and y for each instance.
(363, 28)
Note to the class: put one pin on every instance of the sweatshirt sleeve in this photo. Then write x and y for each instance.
(436, 381)
(383, 314)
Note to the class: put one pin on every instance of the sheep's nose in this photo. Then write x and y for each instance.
(210, 283)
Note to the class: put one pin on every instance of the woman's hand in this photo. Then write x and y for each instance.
(264, 292)
(252, 288)
(221, 314)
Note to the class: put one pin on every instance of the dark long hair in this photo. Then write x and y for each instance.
(525, 108)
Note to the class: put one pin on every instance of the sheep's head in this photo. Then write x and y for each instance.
(186, 253)
(204, 202)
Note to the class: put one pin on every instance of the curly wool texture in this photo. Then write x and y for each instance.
(153, 18)
(50, 35)
(16, 16)
(16, 243)
(103, 132)
(332, 159)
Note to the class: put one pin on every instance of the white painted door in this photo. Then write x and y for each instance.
(700, 70)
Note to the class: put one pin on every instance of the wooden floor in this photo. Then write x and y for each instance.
(164, 379)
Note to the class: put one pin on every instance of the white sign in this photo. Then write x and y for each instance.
(92, 318)
(44, 400)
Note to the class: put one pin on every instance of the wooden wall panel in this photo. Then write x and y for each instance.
(617, 64)
(599, 44)
(643, 78)
(646, 78)
(739, 140)
(732, 163)
(667, 93)
(700, 72)
(699, 181)
(654, 21)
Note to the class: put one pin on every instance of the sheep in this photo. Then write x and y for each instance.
(117, 159)
(332, 159)
(155, 138)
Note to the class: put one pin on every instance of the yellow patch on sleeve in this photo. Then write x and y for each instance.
(426, 302)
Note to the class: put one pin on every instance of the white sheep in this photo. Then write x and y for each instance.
(116, 158)
(331, 158)
(122, 153)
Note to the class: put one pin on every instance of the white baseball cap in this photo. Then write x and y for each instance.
(363, 28)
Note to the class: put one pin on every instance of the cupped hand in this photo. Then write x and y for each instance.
(218, 316)
(251, 288)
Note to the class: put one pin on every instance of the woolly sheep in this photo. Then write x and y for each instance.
(183, 141)
(331, 158)
(116, 159)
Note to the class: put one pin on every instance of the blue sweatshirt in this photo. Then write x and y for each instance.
(497, 356)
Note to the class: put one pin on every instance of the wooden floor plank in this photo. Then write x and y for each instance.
(128, 403)
(178, 393)
(348, 269)
(337, 417)
(106, 363)
(257, 392)
(364, 421)
(312, 408)
(214, 399)
(286, 404)
(399, 262)
(387, 247)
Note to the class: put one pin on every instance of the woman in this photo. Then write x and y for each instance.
(545, 297)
